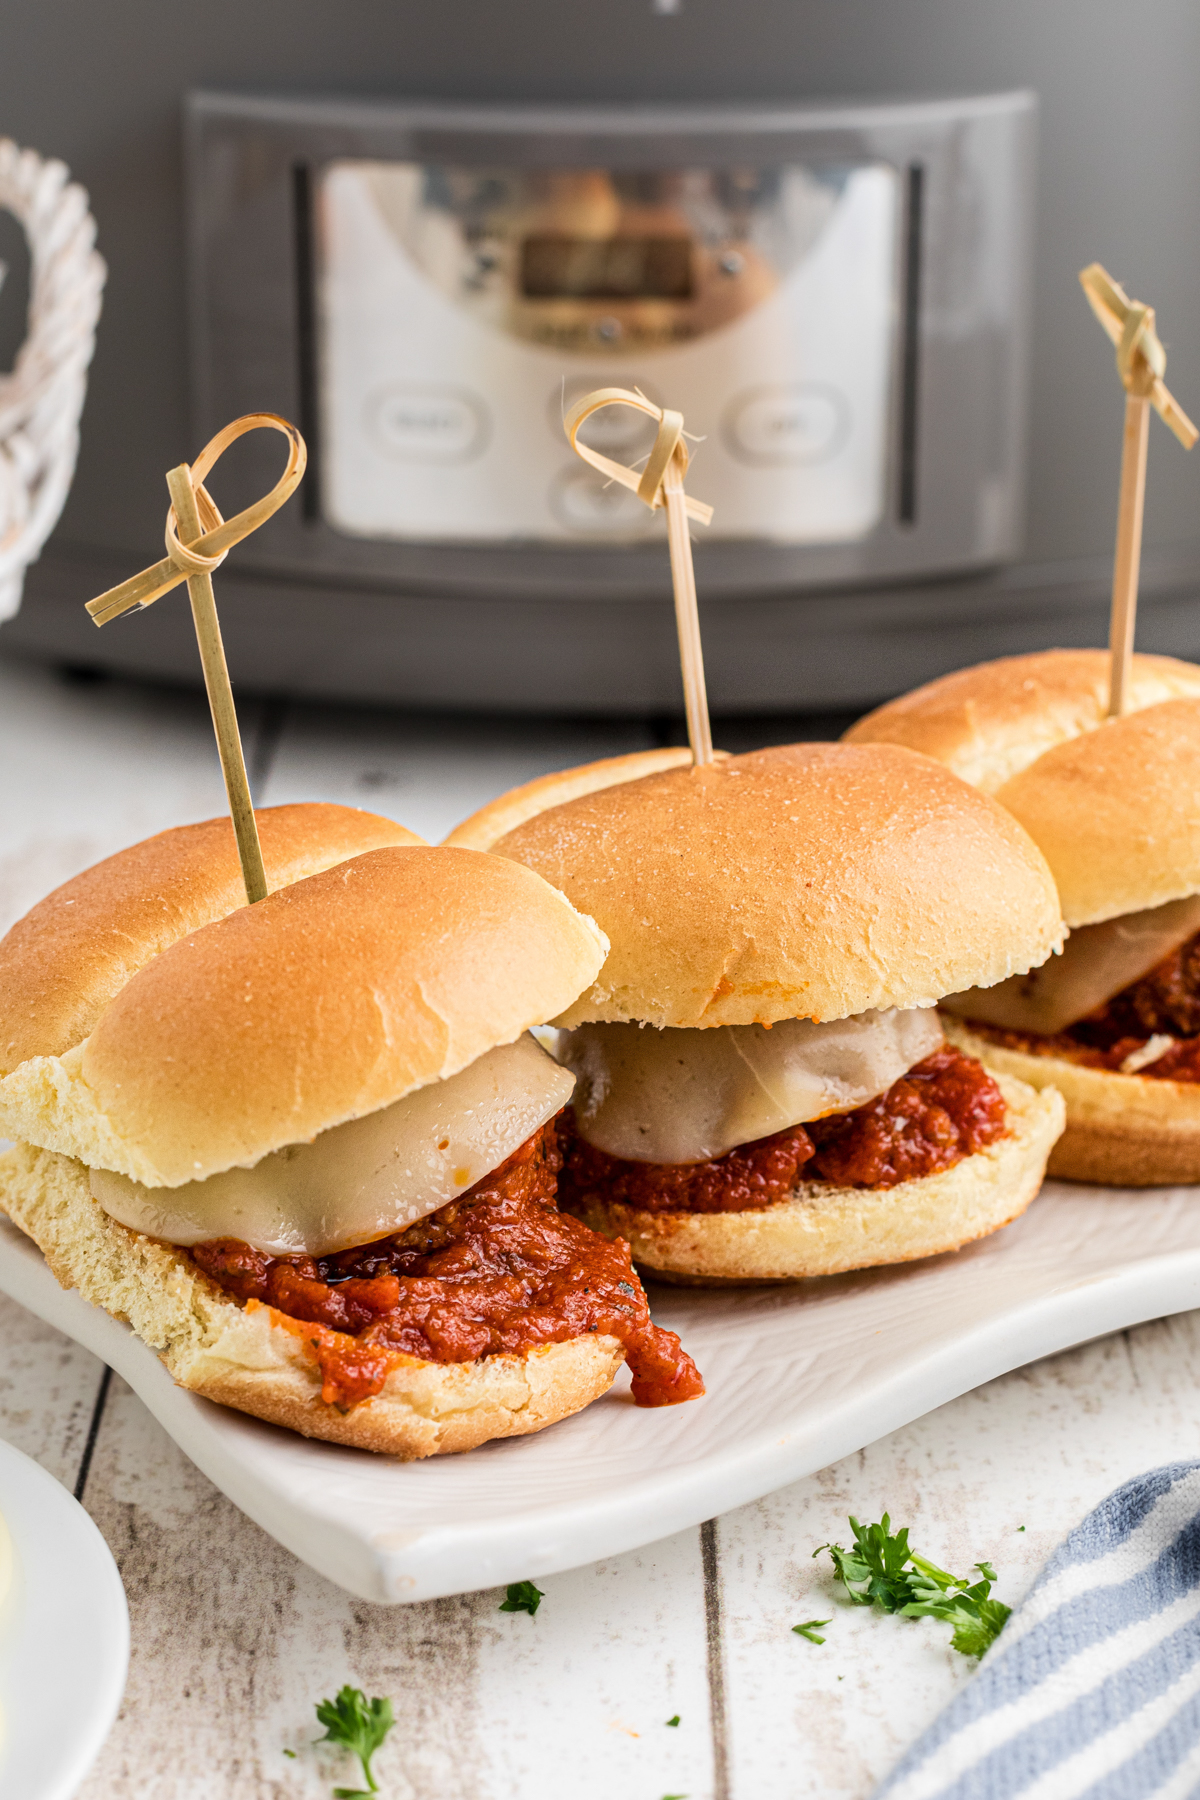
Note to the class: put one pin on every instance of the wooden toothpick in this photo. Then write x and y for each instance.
(198, 540)
(1141, 365)
(660, 483)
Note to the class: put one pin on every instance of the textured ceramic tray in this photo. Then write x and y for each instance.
(64, 1637)
(797, 1377)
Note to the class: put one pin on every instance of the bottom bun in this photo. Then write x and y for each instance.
(1122, 1130)
(241, 1359)
(824, 1230)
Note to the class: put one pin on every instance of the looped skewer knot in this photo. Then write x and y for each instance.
(186, 557)
(668, 457)
(660, 483)
(218, 535)
(209, 541)
(1141, 358)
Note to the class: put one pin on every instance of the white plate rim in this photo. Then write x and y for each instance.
(57, 1547)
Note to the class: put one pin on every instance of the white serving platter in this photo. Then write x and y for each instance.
(798, 1376)
(64, 1636)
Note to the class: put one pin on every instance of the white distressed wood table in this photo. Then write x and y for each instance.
(234, 1641)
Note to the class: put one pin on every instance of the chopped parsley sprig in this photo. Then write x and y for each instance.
(883, 1572)
(811, 1629)
(523, 1596)
(360, 1726)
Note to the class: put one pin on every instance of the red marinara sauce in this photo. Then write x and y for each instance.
(945, 1108)
(1166, 1000)
(498, 1270)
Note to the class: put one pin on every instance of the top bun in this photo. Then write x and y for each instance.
(511, 809)
(66, 959)
(329, 999)
(990, 722)
(1115, 813)
(809, 881)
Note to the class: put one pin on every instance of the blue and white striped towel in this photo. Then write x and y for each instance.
(1092, 1692)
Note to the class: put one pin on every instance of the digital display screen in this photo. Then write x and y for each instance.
(557, 267)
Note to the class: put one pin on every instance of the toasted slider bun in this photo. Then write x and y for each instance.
(324, 1002)
(810, 881)
(824, 1230)
(254, 1361)
(511, 809)
(1123, 1130)
(75, 950)
(1115, 814)
(989, 722)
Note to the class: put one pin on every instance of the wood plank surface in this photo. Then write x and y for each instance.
(48, 1392)
(234, 1641)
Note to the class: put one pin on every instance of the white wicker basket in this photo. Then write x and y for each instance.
(41, 400)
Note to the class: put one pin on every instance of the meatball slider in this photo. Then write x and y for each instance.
(764, 1089)
(307, 1150)
(1114, 1023)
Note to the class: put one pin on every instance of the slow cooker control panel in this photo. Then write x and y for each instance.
(461, 310)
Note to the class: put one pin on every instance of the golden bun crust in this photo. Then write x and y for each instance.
(989, 722)
(807, 881)
(1115, 814)
(1122, 1130)
(327, 1000)
(66, 959)
(243, 1359)
(824, 1230)
(509, 810)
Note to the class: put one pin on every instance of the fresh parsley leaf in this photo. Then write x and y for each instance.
(975, 1637)
(810, 1629)
(360, 1726)
(873, 1572)
(673, 1721)
(290, 1753)
(882, 1571)
(522, 1597)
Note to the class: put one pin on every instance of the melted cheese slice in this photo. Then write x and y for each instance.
(365, 1179)
(1097, 962)
(686, 1095)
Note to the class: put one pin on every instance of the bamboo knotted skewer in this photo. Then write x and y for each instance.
(1141, 365)
(198, 540)
(660, 483)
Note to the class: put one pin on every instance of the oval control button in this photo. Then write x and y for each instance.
(583, 501)
(801, 422)
(429, 424)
